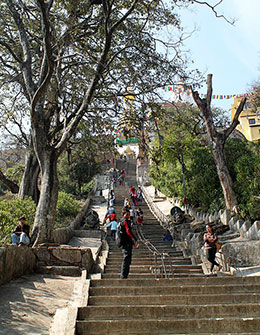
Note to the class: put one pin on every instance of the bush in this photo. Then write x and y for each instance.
(10, 211)
(87, 188)
(67, 208)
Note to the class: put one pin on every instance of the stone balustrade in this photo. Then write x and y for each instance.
(235, 254)
(14, 261)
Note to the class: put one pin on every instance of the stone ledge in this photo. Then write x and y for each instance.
(14, 262)
(64, 256)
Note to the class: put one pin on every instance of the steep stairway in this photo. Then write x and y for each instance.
(186, 302)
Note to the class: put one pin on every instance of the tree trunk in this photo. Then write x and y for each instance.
(29, 183)
(46, 209)
(224, 176)
(218, 140)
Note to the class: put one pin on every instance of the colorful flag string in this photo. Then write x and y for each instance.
(219, 96)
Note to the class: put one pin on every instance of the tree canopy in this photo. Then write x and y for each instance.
(69, 60)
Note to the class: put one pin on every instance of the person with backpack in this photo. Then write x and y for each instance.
(127, 242)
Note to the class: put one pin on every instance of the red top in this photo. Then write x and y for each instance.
(111, 217)
(128, 230)
(132, 190)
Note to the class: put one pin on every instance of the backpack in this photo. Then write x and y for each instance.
(120, 231)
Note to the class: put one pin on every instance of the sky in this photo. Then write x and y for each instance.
(230, 52)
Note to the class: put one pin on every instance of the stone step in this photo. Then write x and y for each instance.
(164, 290)
(155, 326)
(147, 275)
(175, 299)
(142, 247)
(71, 271)
(149, 268)
(133, 275)
(174, 256)
(218, 281)
(163, 312)
(147, 261)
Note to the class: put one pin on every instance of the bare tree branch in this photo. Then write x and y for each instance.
(235, 121)
(213, 8)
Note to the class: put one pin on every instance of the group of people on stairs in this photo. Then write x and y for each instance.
(132, 213)
(128, 238)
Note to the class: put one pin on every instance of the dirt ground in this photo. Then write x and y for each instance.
(28, 304)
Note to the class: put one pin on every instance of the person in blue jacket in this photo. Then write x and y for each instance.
(113, 224)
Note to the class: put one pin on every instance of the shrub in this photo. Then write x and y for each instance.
(87, 188)
(10, 211)
(67, 208)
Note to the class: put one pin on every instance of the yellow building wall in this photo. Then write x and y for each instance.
(247, 126)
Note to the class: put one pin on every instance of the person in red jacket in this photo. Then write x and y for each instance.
(128, 241)
(111, 217)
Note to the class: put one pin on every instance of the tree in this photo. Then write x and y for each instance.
(218, 140)
(56, 50)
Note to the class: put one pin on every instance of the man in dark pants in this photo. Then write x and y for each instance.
(128, 241)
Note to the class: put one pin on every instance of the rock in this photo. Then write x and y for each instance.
(87, 259)
(239, 254)
(69, 255)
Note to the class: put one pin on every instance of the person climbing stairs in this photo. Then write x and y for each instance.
(165, 293)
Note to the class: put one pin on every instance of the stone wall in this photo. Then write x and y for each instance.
(64, 255)
(242, 254)
(14, 262)
(64, 235)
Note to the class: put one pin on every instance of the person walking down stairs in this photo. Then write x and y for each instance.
(210, 240)
(128, 240)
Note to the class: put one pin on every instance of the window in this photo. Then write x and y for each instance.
(251, 121)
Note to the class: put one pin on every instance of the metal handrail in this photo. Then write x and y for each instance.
(153, 250)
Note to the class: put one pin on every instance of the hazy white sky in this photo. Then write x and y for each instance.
(230, 53)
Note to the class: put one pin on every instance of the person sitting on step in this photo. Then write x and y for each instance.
(20, 235)
(167, 236)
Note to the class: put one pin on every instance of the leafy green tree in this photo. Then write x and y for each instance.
(70, 58)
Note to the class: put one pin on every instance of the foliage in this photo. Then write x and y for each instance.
(67, 209)
(244, 162)
(70, 60)
(78, 166)
(87, 188)
(15, 173)
(203, 188)
(10, 211)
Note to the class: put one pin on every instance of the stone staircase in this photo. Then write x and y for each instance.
(186, 302)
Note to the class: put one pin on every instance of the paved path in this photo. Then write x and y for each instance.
(27, 304)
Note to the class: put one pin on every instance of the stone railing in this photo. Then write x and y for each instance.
(162, 218)
(63, 235)
(14, 261)
(245, 228)
(235, 254)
